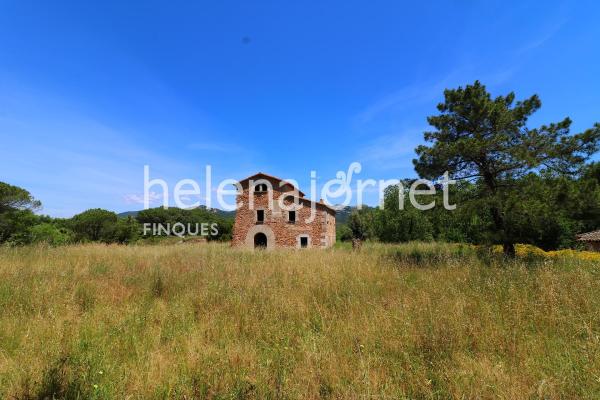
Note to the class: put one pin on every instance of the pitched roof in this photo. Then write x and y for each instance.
(262, 175)
(319, 203)
(589, 236)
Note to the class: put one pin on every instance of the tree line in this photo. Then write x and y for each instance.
(545, 210)
(20, 225)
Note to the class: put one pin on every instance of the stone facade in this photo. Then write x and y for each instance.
(312, 227)
(593, 246)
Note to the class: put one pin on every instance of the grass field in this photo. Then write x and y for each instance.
(189, 321)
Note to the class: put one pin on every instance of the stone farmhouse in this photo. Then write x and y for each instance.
(591, 240)
(273, 213)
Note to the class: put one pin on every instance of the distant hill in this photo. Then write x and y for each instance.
(223, 214)
(128, 214)
(342, 216)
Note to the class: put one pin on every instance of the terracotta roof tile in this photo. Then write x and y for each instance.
(302, 198)
(589, 236)
(261, 175)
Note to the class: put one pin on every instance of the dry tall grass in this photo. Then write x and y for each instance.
(206, 321)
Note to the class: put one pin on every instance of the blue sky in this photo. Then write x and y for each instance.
(90, 93)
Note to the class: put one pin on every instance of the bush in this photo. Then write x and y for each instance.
(15, 225)
(343, 233)
(50, 234)
(431, 254)
(127, 230)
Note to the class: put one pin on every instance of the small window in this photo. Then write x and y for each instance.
(260, 216)
(303, 242)
(260, 188)
(292, 217)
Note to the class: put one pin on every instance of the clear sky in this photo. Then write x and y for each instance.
(90, 93)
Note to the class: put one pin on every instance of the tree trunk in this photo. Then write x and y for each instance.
(508, 247)
(509, 250)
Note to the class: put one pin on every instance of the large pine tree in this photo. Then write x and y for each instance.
(487, 140)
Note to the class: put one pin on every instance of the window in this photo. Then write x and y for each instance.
(260, 216)
(292, 217)
(261, 187)
(303, 242)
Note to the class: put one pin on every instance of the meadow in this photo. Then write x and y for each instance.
(192, 321)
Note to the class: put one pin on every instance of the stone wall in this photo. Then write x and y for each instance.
(320, 227)
(593, 246)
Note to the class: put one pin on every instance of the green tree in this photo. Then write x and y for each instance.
(15, 225)
(548, 211)
(50, 234)
(192, 217)
(127, 230)
(401, 222)
(361, 224)
(95, 225)
(487, 140)
(585, 200)
(13, 198)
(16, 211)
(466, 223)
(343, 233)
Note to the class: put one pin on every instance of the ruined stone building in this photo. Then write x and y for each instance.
(273, 213)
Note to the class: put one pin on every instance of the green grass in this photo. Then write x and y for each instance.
(416, 321)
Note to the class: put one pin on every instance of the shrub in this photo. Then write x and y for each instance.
(430, 254)
(50, 234)
(343, 233)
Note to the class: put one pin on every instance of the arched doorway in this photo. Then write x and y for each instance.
(260, 236)
(260, 241)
